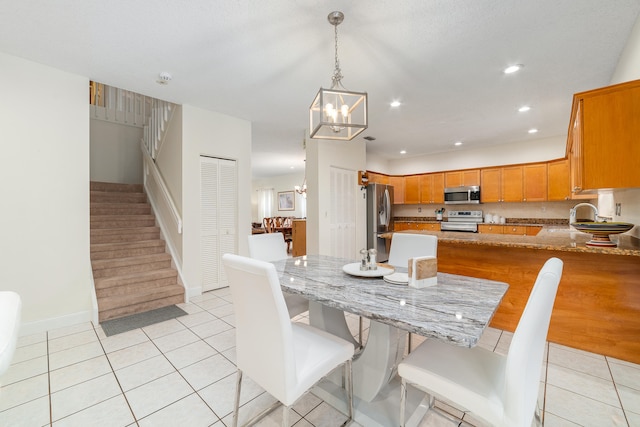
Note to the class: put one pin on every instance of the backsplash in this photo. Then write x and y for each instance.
(529, 221)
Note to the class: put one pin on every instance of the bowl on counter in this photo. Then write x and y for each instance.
(600, 231)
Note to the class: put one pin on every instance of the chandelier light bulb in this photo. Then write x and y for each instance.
(345, 110)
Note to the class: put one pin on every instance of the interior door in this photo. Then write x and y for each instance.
(344, 184)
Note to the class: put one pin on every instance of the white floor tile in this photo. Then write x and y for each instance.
(75, 355)
(210, 328)
(325, 415)
(124, 340)
(132, 355)
(306, 404)
(190, 411)
(633, 419)
(579, 361)
(630, 399)
(551, 420)
(29, 351)
(161, 329)
(31, 339)
(79, 373)
(582, 410)
(195, 319)
(70, 330)
(231, 320)
(223, 341)
(256, 406)
(190, 308)
(213, 303)
(23, 391)
(220, 395)
(222, 311)
(190, 354)
(23, 370)
(208, 371)
(626, 375)
(71, 341)
(584, 384)
(157, 394)
(144, 372)
(33, 413)
(175, 340)
(113, 412)
(81, 396)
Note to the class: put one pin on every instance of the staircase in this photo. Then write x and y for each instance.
(131, 270)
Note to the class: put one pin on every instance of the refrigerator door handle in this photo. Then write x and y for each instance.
(384, 208)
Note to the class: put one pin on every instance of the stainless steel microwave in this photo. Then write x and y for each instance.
(462, 195)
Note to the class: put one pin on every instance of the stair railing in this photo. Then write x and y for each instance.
(117, 105)
(153, 132)
(154, 183)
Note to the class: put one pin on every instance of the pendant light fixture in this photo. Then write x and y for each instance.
(337, 113)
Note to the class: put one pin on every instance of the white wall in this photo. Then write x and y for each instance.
(44, 183)
(279, 184)
(115, 154)
(211, 134)
(321, 156)
(169, 158)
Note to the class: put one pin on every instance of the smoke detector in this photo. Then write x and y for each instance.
(164, 78)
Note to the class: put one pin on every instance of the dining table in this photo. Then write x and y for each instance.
(456, 310)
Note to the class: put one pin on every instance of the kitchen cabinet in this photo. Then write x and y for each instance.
(463, 177)
(534, 182)
(413, 225)
(490, 228)
(432, 188)
(378, 178)
(518, 230)
(429, 226)
(602, 142)
(299, 236)
(558, 180)
(501, 184)
(398, 189)
(411, 189)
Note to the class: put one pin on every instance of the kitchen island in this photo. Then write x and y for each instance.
(597, 307)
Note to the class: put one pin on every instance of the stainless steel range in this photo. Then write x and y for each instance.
(462, 221)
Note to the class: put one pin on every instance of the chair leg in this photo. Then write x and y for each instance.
(236, 403)
(360, 338)
(403, 400)
(409, 344)
(348, 383)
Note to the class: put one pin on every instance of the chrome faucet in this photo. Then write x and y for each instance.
(572, 212)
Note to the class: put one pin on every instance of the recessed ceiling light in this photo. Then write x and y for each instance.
(292, 167)
(524, 108)
(403, 151)
(395, 103)
(534, 130)
(457, 143)
(513, 68)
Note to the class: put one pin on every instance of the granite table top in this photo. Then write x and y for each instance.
(456, 310)
(558, 238)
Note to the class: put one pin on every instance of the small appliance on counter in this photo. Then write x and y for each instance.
(462, 221)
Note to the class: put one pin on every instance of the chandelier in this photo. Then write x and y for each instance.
(302, 189)
(337, 113)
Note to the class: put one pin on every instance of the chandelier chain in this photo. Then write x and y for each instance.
(337, 73)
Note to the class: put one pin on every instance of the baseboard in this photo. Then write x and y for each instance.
(43, 325)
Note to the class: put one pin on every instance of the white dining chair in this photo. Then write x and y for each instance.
(283, 357)
(10, 311)
(272, 247)
(501, 390)
(405, 246)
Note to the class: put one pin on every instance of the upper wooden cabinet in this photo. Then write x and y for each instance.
(534, 182)
(602, 142)
(397, 182)
(558, 180)
(411, 189)
(432, 188)
(501, 184)
(460, 178)
(379, 178)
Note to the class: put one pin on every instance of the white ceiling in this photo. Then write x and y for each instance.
(264, 60)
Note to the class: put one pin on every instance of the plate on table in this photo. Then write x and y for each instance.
(354, 270)
(397, 278)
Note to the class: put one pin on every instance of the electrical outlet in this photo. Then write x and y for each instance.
(618, 209)
(419, 210)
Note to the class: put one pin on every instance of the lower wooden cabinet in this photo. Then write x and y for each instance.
(490, 228)
(299, 235)
(517, 230)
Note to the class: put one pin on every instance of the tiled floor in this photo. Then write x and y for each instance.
(182, 372)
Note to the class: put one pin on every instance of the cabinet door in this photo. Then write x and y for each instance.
(534, 182)
(412, 189)
(491, 185)
(397, 182)
(471, 177)
(299, 235)
(512, 184)
(558, 180)
(400, 226)
(519, 230)
(453, 179)
(377, 178)
(437, 191)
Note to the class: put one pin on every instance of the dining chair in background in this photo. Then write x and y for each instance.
(272, 247)
(283, 357)
(501, 390)
(405, 246)
(10, 317)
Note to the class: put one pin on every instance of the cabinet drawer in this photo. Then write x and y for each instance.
(490, 229)
(429, 226)
(520, 230)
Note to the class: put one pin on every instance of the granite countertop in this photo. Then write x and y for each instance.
(551, 237)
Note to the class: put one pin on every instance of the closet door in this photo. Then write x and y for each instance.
(218, 218)
(343, 212)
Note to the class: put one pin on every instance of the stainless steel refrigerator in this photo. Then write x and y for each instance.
(379, 218)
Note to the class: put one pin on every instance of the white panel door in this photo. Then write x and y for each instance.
(218, 218)
(343, 212)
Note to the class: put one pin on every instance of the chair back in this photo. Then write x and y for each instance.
(269, 224)
(406, 245)
(524, 361)
(267, 247)
(10, 318)
(264, 336)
